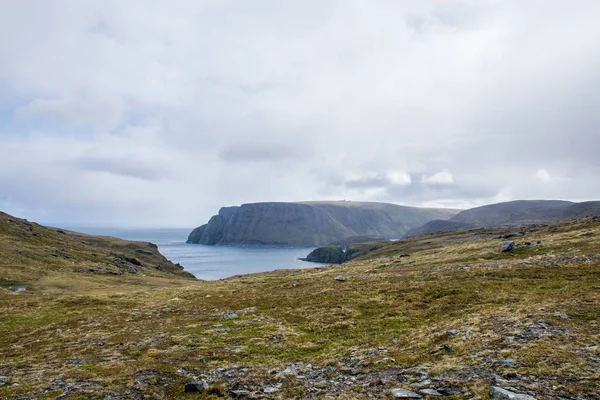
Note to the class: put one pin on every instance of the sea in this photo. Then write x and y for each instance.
(210, 262)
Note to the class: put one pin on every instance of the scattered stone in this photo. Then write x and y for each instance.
(430, 392)
(507, 362)
(291, 370)
(448, 348)
(59, 331)
(270, 389)
(507, 246)
(400, 393)
(563, 316)
(229, 315)
(196, 387)
(341, 278)
(503, 394)
(452, 332)
(421, 384)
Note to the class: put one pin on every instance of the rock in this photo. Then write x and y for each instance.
(291, 370)
(196, 387)
(229, 315)
(430, 392)
(341, 278)
(507, 362)
(503, 394)
(448, 348)
(332, 254)
(507, 246)
(400, 393)
(270, 389)
(452, 332)
(563, 316)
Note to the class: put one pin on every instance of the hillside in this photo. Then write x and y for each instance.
(443, 316)
(311, 223)
(34, 257)
(510, 213)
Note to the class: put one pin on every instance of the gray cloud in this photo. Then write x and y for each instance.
(251, 152)
(121, 166)
(147, 113)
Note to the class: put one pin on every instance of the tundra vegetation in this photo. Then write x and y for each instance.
(445, 315)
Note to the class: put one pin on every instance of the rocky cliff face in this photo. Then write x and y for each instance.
(310, 224)
(519, 212)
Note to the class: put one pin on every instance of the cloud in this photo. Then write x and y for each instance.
(147, 113)
(96, 114)
(440, 178)
(120, 166)
(253, 152)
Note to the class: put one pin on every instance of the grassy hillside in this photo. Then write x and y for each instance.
(40, 258)
(456, 315)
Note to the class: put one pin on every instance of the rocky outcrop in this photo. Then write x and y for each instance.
(512, 213)
(332, 254)
(310, 224)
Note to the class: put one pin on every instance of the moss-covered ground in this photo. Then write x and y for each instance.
(143, 336)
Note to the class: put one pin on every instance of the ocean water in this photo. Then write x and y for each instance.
(210, 262)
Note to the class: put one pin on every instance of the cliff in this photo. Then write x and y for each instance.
(511, 213)
(311, 224)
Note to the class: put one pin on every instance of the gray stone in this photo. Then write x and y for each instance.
(421, 385)
(503, 394)
(430, 392)
(507, 362)
(507, 246)
(452, 332)
(291, 370)
(341, 278)
(270, 389)
(229, 315)
(448, 348)
(400, 393)
(196, 387)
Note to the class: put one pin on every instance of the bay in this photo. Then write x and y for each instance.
(209, 262)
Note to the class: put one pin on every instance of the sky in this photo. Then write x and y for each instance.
(147, 113)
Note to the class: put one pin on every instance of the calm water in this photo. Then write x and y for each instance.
(210, 262)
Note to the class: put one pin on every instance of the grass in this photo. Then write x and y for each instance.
(103, 339)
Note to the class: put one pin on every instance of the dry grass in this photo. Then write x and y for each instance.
(403, 305)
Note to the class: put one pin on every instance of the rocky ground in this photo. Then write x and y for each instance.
(448, 316)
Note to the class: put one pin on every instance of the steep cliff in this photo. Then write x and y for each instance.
(513, 213)
(311, 223)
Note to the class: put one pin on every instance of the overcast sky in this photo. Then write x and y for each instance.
(157, 113)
